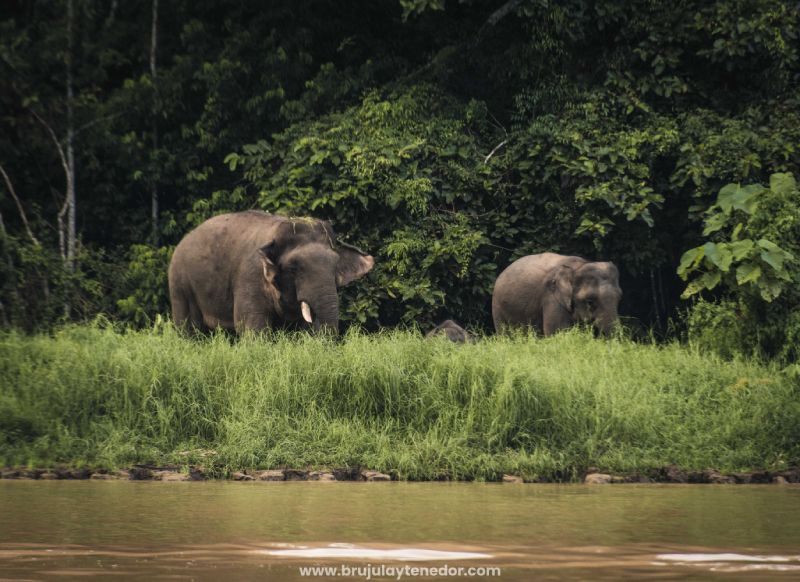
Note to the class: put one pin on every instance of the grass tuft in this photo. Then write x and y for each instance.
(393, 401)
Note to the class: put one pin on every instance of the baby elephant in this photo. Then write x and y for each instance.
(550, 292)
(453, 332)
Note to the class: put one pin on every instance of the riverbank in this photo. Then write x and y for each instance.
(173, 473)
(540, 409)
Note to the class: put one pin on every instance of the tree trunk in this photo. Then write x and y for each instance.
(7, 314)
(153, 174)
(112, 13)
(69, 202)
(70, 258)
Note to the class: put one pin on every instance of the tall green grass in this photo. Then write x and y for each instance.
(546, 407)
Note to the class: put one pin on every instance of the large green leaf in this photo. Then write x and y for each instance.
(746, 198)
(689, 261)
(741, 248)
(747, 273)
(770, 289)
(725, 197)
(768, 245)
(773, 259)
(710, 279)
(715, 222)
(782, 184)
(734, 197)
(692, 289)
(719, 255)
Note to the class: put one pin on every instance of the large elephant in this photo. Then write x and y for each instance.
(252, 270)
(550, 292)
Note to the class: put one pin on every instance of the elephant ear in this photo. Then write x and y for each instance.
(271, 252)
(560, 285)
(269, 258)
(353, 264)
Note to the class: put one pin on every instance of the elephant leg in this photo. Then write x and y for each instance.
(249, 313)
(196, 320)
(180, 311)
(254, 321)
(554, 316)
(186, 314)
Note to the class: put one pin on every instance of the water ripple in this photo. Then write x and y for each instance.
(351, 551)
(730, 562)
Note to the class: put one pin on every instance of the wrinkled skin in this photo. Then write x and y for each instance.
(550, 292)
(253, 270)
(452, 331)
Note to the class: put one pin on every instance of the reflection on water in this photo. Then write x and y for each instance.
(724, 558)
(206, 531)
(341, 551)
(732, 562)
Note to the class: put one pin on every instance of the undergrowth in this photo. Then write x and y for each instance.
(393, 401)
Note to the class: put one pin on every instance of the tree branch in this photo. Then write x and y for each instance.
(503, 11)
(57, 143)
(22, 215)
(497, 147)
(496, 17)
(99, 120)
(62, 246)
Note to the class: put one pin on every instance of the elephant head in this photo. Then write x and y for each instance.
(304, 266)
(589, 291)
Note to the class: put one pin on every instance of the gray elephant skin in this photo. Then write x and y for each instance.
(253, 270)
(452, 331)
(549, 292)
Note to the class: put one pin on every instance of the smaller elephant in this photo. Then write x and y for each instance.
(550, 292)
(451, 330)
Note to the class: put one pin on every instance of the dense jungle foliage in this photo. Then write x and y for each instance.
(447, 138)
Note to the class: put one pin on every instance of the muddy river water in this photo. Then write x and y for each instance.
(68, 530)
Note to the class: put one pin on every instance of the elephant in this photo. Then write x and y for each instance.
(452, 331)
(550, 292)
(254, 270)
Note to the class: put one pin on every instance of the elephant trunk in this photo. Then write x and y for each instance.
(328, 316)
(605, 322)
(321, 310)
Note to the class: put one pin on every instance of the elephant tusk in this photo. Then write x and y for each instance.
(306, 309)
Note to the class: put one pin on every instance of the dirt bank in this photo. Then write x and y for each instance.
(593, 476)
